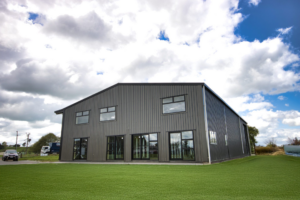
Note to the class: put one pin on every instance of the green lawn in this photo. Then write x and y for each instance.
(257, 177)
(19, 149)
(51, 158)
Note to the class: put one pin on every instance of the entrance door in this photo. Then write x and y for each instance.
(80, 149)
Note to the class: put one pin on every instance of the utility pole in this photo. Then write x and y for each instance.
(27, 134)
(17, 140)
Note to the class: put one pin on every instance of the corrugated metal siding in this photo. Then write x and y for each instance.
(216, 123)
(139, 110)
(244, 128)
(223, 120)
(234, 135)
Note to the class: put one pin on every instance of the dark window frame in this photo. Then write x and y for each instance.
(87, 145)
(181, 159)
(140, 134)
(81, 116)
(115, 111)
(115, 136)
(184, 100)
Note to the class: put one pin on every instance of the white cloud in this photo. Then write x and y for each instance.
(51, 65)
(292, 121)
(284, 31)
(254, 2)
(287, 104)
(268, 123)
(246, 103)
(281, 98)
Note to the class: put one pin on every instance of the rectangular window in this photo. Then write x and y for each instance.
(174, 104)
(182, 146)
(80, 149)
(115, 148)
(82, 117)
(145, 147)
(213, 137)
(107, 114)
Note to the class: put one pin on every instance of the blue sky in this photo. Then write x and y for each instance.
(262, 22)
(53, 54)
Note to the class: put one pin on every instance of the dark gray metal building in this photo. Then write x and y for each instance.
(153, 122)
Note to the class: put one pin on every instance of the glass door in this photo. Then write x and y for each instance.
(80, 149)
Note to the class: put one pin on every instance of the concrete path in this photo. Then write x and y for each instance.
(10, 162)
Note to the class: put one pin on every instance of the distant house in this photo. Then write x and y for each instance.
(153, 122)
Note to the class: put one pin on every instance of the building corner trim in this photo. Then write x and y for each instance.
(205, 122)
(246, 125)
(61, 134)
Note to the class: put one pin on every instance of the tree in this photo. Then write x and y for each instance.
(271, 142)
(253, 132)
(43, 141)
(4, 144)
(24, 144)
(295, 141)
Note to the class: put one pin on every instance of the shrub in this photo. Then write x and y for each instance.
(263, 150)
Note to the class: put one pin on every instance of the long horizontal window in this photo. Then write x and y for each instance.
(145, 147)
(108, 114)
(182, 146)
(82, 117)
(174, 104)
(115, 148)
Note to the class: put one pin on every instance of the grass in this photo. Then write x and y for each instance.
(19, 149)
(257, 177)
(51, 158)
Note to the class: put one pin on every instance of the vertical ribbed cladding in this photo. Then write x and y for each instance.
(202, 156)
(244, 129)
(139, 110)
(216, 123)
(234, 136)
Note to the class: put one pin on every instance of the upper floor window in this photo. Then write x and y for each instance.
(82, 117)
(174, 104)
(107, 114)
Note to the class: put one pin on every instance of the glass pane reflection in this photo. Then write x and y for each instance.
(136, 146)
(80, 148)
(153, 136)
(187, 144)
(153, 151)
(187, 135)
(119, 147)
(167, 100)
(175, 143)
(145, 146)
(180, 98)
(107, 116)
(174, 107)
(188, 154)
(82, 120)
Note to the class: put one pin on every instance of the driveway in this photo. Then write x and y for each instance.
(10, 162)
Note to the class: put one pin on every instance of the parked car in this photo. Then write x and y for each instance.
(10, 154)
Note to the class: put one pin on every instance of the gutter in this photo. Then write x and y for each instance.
(61, 135)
